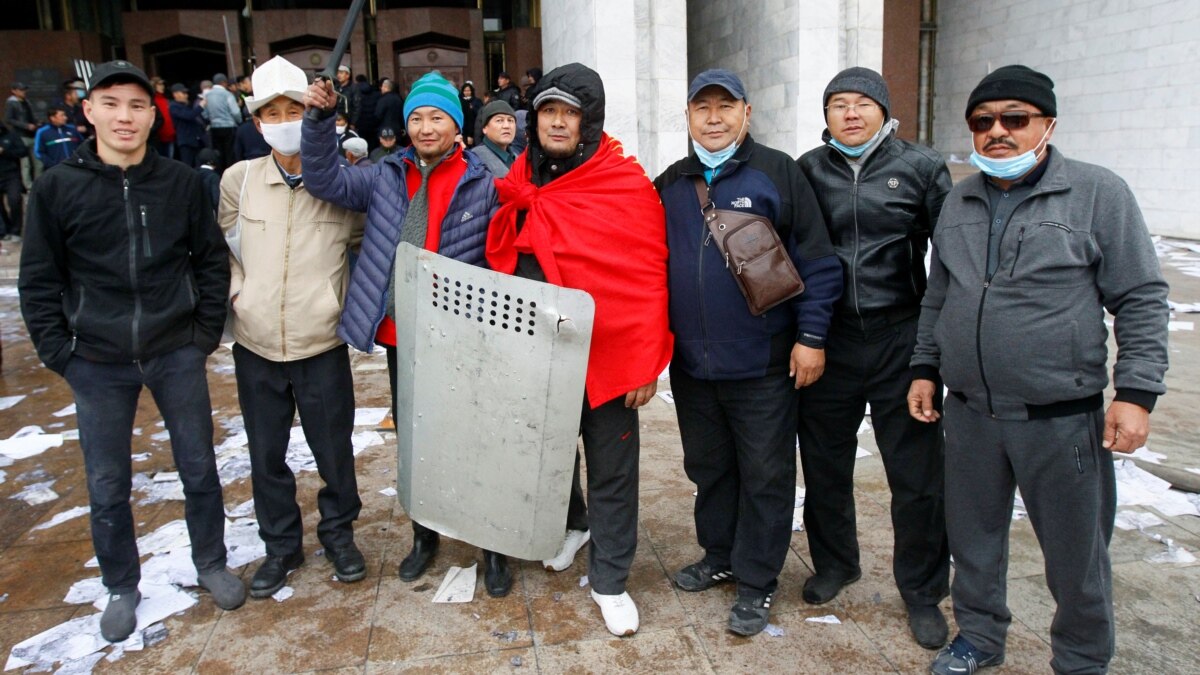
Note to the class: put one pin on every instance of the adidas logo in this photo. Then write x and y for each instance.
(741, 203)
(466, 216)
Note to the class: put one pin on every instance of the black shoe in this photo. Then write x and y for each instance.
(749, 615)
(928, 626)
(272, 574)
(418, 559)
(348, 562)
(821, 588)
(496, 577)
(702, 576)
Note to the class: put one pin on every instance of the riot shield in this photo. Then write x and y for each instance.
(489, 391)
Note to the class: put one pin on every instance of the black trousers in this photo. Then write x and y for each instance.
(270, 393)
(739, 450)
(222, 141)
(13, 208)
(861, 367)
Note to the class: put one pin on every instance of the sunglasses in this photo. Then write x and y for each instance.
(1010, 120)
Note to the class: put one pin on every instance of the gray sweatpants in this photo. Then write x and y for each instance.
(1066, 480)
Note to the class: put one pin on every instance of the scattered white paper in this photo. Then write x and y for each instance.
(68, 641)
(1180, 325)
(7, 402)
(1185, 307)
(158, 602)
(62, 517)
(85, 591)
(70, 435)
(583, 581)
(1144, 453)
(29, 441)
(1137, 487)
(166, 477)
(1174, 555)
(81, 666)
(69, 410)
(667, 396)
(283, 594)
(864, 427)
(861, 452)
(160, 436)
(388, 492)
(37, 493)
(369, 417)
(140, 457)
(361, 440)
(1136, 520)
(773, 630)
(828, 618)
(242, 510)
(458, 585)
(369, 365)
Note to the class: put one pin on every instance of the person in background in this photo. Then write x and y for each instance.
(12, 210)
(163, 140)
(387, 145)
(471, 107)
(356, 152)
(499, 127)
(18, 114)
(56, 140)
(208, 165)
(73, 93)
(188, 118)
(224, 115)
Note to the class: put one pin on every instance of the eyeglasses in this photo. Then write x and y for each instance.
(859, 108)
(1010, 120)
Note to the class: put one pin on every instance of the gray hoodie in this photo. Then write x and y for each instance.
(1033, 334)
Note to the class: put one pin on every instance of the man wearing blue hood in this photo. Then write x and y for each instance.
(881, 197)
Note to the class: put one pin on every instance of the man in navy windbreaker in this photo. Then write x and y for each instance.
(734, 375)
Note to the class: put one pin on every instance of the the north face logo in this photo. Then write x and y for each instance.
(741, 203)
(466, 216)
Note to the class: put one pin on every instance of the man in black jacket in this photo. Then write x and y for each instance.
(881, 197)
(124, 276)
(12, 151)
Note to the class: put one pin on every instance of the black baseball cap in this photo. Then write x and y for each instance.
(116, 72)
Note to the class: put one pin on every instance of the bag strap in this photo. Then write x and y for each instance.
(706, 204)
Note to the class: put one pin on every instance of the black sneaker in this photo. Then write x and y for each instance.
(702, 576)
(750, 613)
(272, 574)
(348, 562)
(962, 658)
(822, 588)
(928, 626)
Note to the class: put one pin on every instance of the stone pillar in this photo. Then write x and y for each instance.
(637, 46)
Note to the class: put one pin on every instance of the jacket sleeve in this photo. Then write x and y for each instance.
(937, 187)
(210, 268)
(1133, 290)
(927, 357)
(188, 112)
(44, 278)
(324, 176)
(39, 140)
(815, 260)
(227, 217)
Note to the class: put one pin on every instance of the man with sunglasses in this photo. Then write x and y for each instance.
(1027, 256)
(880, 197)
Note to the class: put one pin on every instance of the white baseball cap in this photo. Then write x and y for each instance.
(277, 77)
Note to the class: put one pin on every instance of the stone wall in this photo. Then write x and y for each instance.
(1125, 77)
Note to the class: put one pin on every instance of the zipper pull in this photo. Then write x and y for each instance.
(145, 234)
(125, 180)
(1020, 238)
(708, 238)
(726, 261)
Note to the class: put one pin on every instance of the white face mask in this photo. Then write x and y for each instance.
(341, 129)
(283, 137)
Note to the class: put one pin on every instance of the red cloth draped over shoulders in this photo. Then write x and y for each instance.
(599, 228)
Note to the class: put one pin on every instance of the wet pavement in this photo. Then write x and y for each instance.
(548, 623)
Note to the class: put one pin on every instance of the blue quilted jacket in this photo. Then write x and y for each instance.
(380, 191)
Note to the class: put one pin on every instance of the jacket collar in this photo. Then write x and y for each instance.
(1056, 178)
(85, 156)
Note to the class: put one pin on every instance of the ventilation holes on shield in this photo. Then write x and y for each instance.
(481, 304)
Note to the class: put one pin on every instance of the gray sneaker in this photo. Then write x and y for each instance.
(962, 658)
(702, 576)
(120, 617)
(750, 613)
(227, 590)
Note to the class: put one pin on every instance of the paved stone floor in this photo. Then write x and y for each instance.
(549, 624)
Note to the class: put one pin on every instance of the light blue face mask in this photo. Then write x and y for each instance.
(1013, 167)
(714, 160)
(858, 150)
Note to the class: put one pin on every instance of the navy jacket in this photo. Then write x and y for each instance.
(189, 125)
(716, 336)
(381, 192)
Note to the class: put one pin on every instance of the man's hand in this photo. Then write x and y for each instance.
(1126, 426)
(320, 95)
(641, 396)
(920, 401)
(807, 365)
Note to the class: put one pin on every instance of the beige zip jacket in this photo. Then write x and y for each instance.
(287, 291)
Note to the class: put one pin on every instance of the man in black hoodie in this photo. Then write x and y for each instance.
(124, 276)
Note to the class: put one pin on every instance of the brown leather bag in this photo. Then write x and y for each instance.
(753, 253)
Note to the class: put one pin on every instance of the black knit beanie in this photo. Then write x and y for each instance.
(863, 81)
(1019, 83)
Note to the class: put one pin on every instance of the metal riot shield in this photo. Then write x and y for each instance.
(489, 391)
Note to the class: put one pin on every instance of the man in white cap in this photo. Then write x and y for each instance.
(348, 95)
(289, 276)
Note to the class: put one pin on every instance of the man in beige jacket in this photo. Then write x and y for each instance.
(289, 274)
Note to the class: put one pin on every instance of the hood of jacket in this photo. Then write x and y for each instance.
(585, 85)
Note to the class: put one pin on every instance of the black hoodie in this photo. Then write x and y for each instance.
(121, 266)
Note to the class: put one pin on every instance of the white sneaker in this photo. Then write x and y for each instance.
(620, 614)
(574, 541)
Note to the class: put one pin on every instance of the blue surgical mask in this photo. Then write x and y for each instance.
(858, 150)
(1013, 167)
(714, 160)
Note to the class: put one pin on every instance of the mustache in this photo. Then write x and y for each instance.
(1005, 141)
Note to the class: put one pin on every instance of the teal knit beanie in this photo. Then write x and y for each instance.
(434, 90)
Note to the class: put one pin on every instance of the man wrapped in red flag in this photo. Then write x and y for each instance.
(578, 213)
